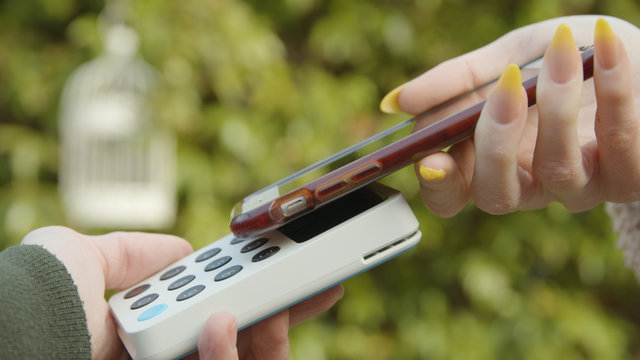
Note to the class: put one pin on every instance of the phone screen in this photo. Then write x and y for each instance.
(373, 158)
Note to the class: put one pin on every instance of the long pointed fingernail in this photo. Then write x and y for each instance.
(431, 174)
(606, 45)
(562, 55)
(507, 94)
(389, 103)
(510, 81)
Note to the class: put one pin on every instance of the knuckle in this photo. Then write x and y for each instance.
(623, 192)
(496, 206)
(48, 232)
(576, 207)
(445, 209)
(498, 201)
(444, 206)
(558, 175)
(612, 93)
(469, 67)
(620, 135)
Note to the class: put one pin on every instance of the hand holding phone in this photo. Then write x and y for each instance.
(373, 158)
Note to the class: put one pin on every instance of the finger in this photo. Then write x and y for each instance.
(617, 121)
(314, 305)
(444, 179)
(217, 341)
(128, 257)
(267, 339)
(558, 163)
(467, 72)
(496, 182)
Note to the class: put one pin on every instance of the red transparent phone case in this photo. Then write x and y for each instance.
(373, 166)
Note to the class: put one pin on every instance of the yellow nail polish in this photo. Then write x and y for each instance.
(389, 103)
(563, 55)
(510, 81)
(606, 44)
(562, 39)
(431, 174)
(506, 99)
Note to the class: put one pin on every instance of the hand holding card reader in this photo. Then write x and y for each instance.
(161, 317)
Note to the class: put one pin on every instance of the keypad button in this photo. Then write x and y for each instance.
(266, 253)
(181, 282)
(208, 254)
(144, 301)
(190, 292)
(173, 272)
(152, 312)
(236, 241)
(228, 272)
(217, 263)
(137, 291)
(254, 245)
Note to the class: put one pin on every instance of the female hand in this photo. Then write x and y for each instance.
(119, 260)
(580, 145)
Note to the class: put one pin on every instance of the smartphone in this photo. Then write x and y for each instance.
(374, 158)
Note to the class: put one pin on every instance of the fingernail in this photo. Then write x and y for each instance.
(389, 103)
(507, 94)
(562, 55)
(432, 175)
(606, 45)
(510, 81)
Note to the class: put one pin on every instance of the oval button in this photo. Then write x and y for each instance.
(173, 272)
(190, 292)
(144, 301)
(152, 312)
(137, 291)
(228, 272)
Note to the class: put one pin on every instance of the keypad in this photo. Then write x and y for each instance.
(188, 279)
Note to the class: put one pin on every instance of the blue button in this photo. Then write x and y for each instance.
(152, 312)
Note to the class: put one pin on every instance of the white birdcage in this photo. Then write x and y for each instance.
(117, 167)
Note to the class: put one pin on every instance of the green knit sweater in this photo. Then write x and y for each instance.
(41, 314)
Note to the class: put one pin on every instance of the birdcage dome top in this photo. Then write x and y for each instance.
(108, 93)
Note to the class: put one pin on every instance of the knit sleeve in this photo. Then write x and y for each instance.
(626, 222)
(41, 314)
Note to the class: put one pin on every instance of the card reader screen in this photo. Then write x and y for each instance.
(330, 215)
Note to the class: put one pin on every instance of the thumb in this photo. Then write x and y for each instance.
(129, 257)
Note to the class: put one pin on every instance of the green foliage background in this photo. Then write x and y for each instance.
(257, 89)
